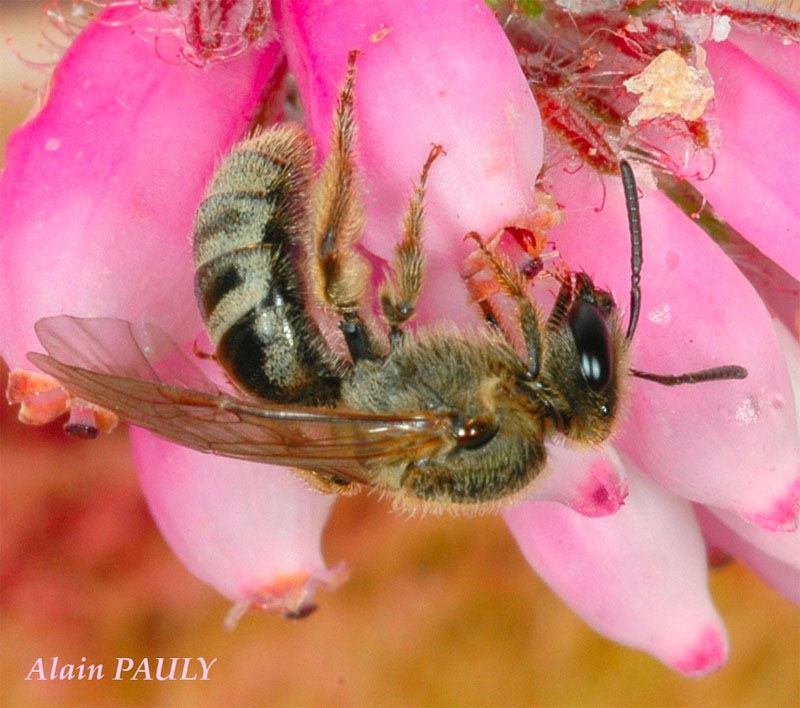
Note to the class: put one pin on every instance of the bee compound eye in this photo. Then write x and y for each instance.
(590, 332)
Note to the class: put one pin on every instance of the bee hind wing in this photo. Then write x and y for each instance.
(121, 348)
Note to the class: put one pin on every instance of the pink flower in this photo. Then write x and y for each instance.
(97, 202)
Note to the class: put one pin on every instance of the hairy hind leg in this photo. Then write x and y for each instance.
(339, 274)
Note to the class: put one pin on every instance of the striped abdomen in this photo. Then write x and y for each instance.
(249, 293)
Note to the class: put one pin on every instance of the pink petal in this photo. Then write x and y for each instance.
(772, 54)
(783, 577)
(781, 545)
(754, 184)
(791, 354)
(98, 195)
(732, 444)
(638, 577)
(428, 73)
(251, 531)
(590, 481)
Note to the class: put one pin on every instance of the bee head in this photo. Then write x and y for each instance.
(585, 361)
(585, 365)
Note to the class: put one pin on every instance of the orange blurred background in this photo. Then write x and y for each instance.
(437, 611)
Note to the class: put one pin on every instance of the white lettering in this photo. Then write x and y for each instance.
(184, 674)
(38, 667)
(206, 667)
(95, 668)
(120, 662)
(160, 676)
(144, 668)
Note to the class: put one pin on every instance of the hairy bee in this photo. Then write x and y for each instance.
(442, 420)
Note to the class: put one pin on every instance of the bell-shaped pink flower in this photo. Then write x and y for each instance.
(117, 200)
(639, 576)
(99, 195)
(448, 80)
(251, 531)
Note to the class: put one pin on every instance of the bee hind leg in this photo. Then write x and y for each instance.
(327, 483)
(339, 273)
(400, 291)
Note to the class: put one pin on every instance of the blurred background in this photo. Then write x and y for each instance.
(437, 611)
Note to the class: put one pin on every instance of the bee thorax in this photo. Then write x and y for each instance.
(494, 446)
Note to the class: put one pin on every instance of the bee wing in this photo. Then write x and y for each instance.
(111, 346)
(139, 374)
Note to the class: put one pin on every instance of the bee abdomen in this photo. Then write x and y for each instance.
(249, 293)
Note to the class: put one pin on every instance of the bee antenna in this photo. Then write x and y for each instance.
(718, 373)
(635, 227)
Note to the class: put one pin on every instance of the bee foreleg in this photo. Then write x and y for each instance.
(490, 314)
(464, 487)
(400, 291)
(512, 283)
(560, 306)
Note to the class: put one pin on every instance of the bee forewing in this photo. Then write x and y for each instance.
(129, 370)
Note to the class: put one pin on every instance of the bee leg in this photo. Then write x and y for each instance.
(560, 306)
(490, 314)
(480, 292)
(339, 273)
(471, 484)
(325, 483)
(401, 289)
(512, 283)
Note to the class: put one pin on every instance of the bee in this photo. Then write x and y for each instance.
(440, 419)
